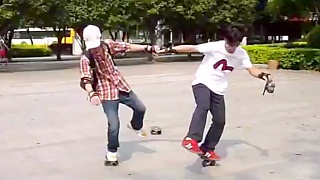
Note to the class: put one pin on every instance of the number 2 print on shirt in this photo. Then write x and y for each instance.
(224, 64)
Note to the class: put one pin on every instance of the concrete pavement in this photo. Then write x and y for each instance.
(45, 58)
(49, 131)
(49, 63)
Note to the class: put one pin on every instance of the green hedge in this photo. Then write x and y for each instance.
(284, 45)
(289, 58)
(29, 51)
(313, 38)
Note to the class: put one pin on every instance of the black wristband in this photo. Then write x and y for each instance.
(171, 50)
(149, 49)
(93, 94)
(263, 74)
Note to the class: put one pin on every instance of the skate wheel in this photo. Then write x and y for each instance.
(111, 163)
(206, 163)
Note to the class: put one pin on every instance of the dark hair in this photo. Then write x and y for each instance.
(233, 33)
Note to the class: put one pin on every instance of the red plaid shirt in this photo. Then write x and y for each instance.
(110, 81)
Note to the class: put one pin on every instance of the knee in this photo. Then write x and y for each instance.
(113, 127)
(113, 122)
(219, 121)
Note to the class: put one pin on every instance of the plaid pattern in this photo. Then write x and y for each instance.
(110, 81)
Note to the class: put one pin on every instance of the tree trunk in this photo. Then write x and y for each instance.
(59, 45)
(30, 37)
(151, 25)
(115, 35)
(110, 33)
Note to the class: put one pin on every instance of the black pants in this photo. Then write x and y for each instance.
(206, 100)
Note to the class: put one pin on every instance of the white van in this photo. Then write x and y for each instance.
(39, 37)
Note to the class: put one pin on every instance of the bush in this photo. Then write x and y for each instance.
(285, 45)
(293, 58)
(29, 51)
(313, 38)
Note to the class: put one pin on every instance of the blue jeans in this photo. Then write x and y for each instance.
(111, 107)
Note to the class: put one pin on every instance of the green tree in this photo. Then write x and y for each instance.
(12, 16)
(205, 16)
(54, 14)
(280, 8)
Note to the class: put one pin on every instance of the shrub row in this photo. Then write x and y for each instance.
(294, 56)
(29, 51)
(289, 58)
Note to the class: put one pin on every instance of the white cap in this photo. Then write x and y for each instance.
(92, 36)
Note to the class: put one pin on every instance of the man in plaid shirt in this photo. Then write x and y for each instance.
(111, 88)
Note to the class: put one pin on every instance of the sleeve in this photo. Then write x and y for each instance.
(245, 60)
(206, 48)
(85, 70)
(118, 47)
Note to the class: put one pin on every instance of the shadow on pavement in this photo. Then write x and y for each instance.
(132, 147)
(221, 149)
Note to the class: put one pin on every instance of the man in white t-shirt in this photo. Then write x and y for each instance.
(209, 85)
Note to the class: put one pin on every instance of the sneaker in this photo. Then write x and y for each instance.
(140, 132)
(211, 155)
(191, 145)
(112, 156)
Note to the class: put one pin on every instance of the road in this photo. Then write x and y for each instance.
(69, 62)
(49, 131)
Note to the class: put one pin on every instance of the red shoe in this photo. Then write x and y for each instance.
(211, 155)
(191, 145)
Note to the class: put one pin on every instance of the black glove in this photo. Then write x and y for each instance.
(263, 74)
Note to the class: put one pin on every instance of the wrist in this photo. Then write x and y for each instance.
(172, 50)
(149, 48)
(92, 93)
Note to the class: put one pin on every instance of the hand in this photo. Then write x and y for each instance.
(154, 49)
(163, 51)
(265, 76)
(269, 77)
(95, 100)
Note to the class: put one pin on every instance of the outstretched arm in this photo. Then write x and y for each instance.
(257, 73)
(253, 71)
(184, 49)
(122, 47)
(200, 48)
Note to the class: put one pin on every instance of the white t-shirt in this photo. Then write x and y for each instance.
(217, 65)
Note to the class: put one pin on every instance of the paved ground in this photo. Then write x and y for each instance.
(49, 131)
(68, 62)
(45, 58)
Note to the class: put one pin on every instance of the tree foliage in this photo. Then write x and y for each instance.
(186, 16)
(290, 8)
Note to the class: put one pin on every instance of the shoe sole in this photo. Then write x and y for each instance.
(206, 158)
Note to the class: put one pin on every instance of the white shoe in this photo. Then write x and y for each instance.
(140, 132)
(112, 156)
